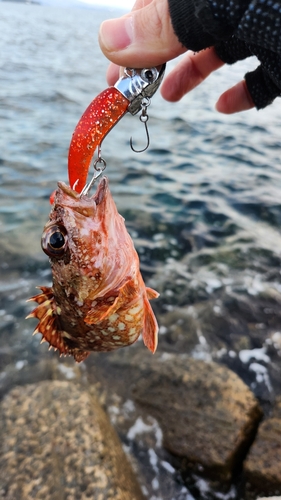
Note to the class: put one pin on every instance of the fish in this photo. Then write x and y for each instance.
(98, 300)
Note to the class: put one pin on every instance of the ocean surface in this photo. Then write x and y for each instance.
(202, 203)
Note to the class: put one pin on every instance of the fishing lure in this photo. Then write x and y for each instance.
(131, 93)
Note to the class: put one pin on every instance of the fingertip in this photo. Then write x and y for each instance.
(112, 74)
(116, 34)
(235, 100)
(169, 93)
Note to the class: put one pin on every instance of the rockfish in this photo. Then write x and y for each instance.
(98, 301)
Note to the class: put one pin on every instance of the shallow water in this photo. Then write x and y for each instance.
(202, 204)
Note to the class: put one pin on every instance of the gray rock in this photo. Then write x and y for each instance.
(269, 498)
(48, 368)
(56, 443)
(207, 414)
(263, 464)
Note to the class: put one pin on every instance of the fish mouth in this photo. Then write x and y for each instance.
(97, 197)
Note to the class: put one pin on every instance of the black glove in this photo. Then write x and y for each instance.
(264, 83)
(237, 29)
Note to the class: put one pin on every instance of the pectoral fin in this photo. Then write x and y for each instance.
(151, 294)
(126, 294)
(150, 327)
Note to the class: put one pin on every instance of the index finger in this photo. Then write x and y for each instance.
(192, 70)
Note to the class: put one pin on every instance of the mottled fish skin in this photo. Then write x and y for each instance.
(98, 301)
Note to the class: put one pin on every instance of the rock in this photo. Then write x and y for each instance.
(56, 443)
(262, 467)
(207, 414)
(269, 498)
(48, 368)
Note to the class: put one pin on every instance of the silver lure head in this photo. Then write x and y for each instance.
(136, 84)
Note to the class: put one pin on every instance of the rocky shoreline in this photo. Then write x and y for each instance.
(176, 417)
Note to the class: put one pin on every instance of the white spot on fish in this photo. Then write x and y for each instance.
(135, 310)
(128, 317)
(113, 317)
(121, 326)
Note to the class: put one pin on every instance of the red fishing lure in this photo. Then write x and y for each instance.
(102, 115)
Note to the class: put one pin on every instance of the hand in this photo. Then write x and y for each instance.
(145, 37)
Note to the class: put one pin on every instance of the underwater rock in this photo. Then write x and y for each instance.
(262, 467)
(57, 443)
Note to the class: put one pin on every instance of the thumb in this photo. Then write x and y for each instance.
(145, 37)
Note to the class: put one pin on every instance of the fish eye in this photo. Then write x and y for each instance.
(54, 241)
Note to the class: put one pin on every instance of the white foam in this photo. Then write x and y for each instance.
(67, 371)
(259, 354)
(140, 427)
(212, 284)
(153, 458)
(261, 374)
(20, 364)
(276, 339)
(184, 491)
(155, 483)
(168, 467)
(129, 406)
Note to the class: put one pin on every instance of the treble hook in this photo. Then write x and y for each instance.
(143, 118)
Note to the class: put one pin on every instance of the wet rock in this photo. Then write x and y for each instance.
(24, 372)
(56, 443)
(262, 467)
(208, 416)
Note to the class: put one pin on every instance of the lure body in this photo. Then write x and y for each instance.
(102, 115)
(99, 118)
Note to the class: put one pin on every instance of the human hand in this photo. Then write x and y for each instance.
(145, 37)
